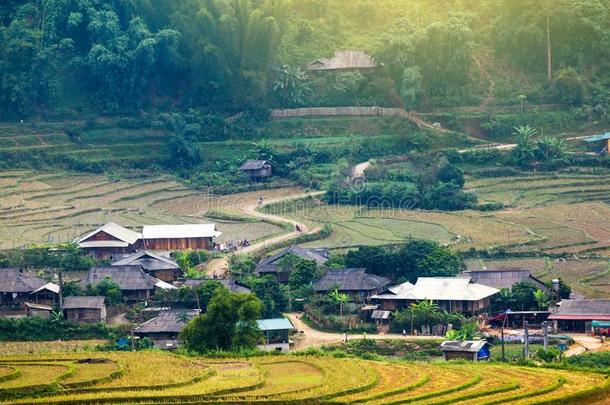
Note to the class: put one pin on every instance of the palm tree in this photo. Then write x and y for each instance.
(339, 298)
(542, 299)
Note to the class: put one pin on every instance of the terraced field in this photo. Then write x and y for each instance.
(154, 378)
(38, 207)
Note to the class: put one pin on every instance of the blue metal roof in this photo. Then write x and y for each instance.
(599, 137)
(274, 324)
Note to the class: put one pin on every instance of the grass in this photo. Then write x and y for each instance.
(156, 377)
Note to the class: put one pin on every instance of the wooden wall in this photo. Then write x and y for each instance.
(178, 244)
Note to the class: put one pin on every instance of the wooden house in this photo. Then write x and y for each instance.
(578, 315)
(108, 240)
(451, 294)
(474, 350)
(504, 278)
(276, 334)
(179, 237)
(272, 266)
(357, 283)
(164, 329)
(343, 61)
(256, 169)
(134, 283)
(18, 288)
(158, 266)
(84, 309)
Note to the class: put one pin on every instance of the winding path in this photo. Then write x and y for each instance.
(219, 267)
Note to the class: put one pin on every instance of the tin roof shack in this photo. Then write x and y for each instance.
(503, 278)
(275, 333)
(600, 328)
(84, 309)
(179, 237)
(577, 315)
(256, 170)
(357, 283)
(276, 265)
(134, 283)
(342, 61)
(451, 294)
(17, 288)
(158, 266)
(229, 283)
(163, 329)
(475, 350)
(108, 240)
(600, 143)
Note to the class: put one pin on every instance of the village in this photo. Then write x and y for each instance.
(143, 267)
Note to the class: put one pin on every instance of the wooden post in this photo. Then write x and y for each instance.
(608, 146)
(526, 347)
(545, 328)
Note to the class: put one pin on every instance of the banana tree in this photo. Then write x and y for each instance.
(339, 298)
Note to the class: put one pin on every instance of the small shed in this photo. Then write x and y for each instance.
(85, 309)
(381, 317)
(256, 169)
(39, 310)
(475, 350)
(164, 329)
(276, 333)
(17, 288)
(601, 143)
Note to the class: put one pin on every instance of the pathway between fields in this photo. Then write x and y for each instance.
(219, 267)
(584, 343)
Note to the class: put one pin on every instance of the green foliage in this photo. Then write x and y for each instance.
(40, 329)
(421, 315)
(416, 258)
(271, 294)
(467, 331)
(190, 297)
(590, 360)
(66, 257)
(524, 297)
(551, 355)
(106, 288)
(228, 323)
(302, 274)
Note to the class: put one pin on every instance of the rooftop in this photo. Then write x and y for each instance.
(582, 310)
(149, 261)
(441, 289)
(229, 283)
(503, 278)
(270, 264)
(350, 59)
(350, 280)
(125, 236)
(86, 302)
(254, 164)
(168, 320)
(12, 280)
(274, 324)
(180, 231)
(472, 346)
(127, 277)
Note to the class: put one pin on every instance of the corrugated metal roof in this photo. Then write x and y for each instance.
(127, 277)
(271, 264)
(583, 310)
(503, 278)
(443, 289)
(600, 137)
(87, 302)
(274, 324)
(471, 346)
(123, 234)
(54, 288)
(379, 314)
(180, 231)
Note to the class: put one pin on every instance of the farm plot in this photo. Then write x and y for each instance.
(38, 207)
(286, 379)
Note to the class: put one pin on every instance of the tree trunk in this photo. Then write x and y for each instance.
(549, 64)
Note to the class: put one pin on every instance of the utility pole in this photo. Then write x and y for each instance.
(502, 336)
(549, 64)
(526, 347)
(545, 329)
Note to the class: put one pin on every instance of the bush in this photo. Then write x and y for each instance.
(40, 329)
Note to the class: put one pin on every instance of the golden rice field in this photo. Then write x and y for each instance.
(39, 207)
(156, 378)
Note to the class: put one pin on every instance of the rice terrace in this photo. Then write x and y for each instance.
(140, 378)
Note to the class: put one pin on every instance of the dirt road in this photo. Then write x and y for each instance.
(312, 337)
(584, 343)
(219, 267)
(359, 169)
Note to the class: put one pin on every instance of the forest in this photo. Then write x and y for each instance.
(65, 58)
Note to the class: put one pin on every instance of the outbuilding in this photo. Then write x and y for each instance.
(134, 283)
(475, 350)
(17, 288)
(276, 334)
(278, 267)
(84, 309)
(256, 170)
(164, 329)
(179, 237)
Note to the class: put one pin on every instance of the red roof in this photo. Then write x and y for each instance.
(589, 317)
